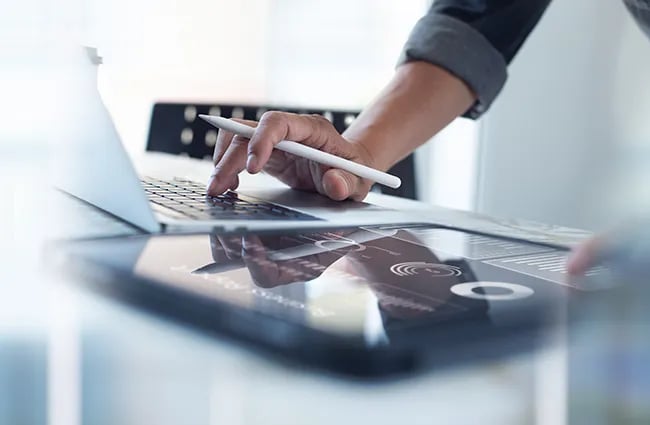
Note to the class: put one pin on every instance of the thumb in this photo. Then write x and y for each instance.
(340, 185)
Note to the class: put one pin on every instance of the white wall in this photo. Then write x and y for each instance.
(195, 50)
(337, 53)
(577, 97)
(290, 52)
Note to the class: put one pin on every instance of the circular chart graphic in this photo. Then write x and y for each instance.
(504, 291)
(415, 268)
(334, 244)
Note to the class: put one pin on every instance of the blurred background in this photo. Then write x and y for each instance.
(563, 143)
(567, 142)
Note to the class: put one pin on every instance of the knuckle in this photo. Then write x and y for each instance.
(318, 129)
(274, 126)
(319, 123)
(321, 120)
(273, 117)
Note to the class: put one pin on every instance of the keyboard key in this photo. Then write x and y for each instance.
(189, 199)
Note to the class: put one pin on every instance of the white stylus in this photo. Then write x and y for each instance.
(309, 153)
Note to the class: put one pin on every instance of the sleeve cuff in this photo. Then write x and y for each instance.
(460, 49)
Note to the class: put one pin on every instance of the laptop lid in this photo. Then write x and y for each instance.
(94, 165)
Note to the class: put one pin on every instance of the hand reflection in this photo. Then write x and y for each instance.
(408, 284)
(252, 252)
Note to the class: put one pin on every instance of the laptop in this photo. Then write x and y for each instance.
(97, 169)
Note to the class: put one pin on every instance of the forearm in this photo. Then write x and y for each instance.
(453, 63)
(420, 100)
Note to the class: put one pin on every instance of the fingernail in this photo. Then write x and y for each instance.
(251, 164)
(210, 180)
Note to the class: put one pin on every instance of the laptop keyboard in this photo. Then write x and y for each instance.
(189, 199)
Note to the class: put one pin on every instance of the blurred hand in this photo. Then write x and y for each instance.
(624, 250)
(585, 256)
(233, 154)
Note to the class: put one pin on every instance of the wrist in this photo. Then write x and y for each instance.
(370, 150)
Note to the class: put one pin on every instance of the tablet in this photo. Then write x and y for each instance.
(367, 301)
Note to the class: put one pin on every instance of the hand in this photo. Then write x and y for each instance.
(253, 252)
(233, 154)
(585, 256)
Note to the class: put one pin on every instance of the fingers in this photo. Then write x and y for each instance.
(234, 183)
(310, 130)
(316, 173)
(265, 273)
(228, 247)
(233, 154)
(219, 254)
(584, 257)
(232, 162)
(339, 185)
(269, 274)
(224, 138)
(224, 141)
(336, 184)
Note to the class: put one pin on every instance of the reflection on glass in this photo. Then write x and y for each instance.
(360, 281)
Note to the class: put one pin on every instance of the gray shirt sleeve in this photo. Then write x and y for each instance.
(461, 50)
(640, 10)
(474, 40)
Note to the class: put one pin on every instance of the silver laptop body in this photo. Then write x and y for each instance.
(96, 168)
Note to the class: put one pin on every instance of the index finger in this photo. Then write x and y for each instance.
(224, 138)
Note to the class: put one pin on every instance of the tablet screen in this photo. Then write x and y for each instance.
(366, 281)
